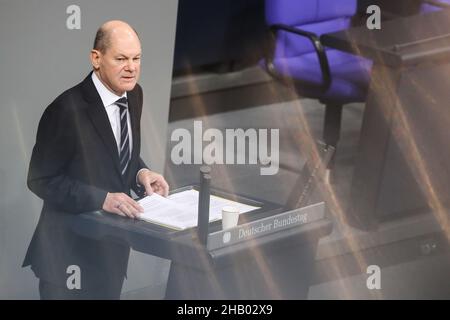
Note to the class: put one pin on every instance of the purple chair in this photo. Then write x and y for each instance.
(434, 5)
(297, 57)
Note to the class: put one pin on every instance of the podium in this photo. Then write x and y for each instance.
(269, 255)
(268, 264)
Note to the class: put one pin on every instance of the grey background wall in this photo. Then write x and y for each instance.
(40, 58)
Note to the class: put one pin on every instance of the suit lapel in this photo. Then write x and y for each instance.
(133, 108)
(100, 121)
(135, 116)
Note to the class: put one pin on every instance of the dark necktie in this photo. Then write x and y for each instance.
(124, 152)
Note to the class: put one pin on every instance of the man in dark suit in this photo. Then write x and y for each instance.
(87, 157)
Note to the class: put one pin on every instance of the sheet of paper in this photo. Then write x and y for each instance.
(160, 210)
(189, 198)
(180, 210)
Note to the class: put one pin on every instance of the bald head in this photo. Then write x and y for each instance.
(110, 29)
(116, 57)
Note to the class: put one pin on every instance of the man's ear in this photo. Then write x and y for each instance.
(95, 58)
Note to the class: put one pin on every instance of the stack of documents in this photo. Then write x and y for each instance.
(180, 210)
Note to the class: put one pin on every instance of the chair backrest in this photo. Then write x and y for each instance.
(318, 16)
(426, 7)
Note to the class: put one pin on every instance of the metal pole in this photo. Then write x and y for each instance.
(203, 204)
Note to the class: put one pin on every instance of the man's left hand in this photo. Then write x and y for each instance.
(153, 182)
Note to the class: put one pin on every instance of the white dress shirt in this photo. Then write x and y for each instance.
(109, 98)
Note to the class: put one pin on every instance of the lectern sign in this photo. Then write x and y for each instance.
(272, 224)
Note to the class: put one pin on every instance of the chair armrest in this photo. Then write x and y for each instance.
(320, 51)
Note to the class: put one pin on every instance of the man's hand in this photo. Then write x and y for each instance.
(153, 182)
(122, 204)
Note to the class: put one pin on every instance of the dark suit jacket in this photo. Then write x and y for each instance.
(74, 164)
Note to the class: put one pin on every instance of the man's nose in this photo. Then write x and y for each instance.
(131, 65)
